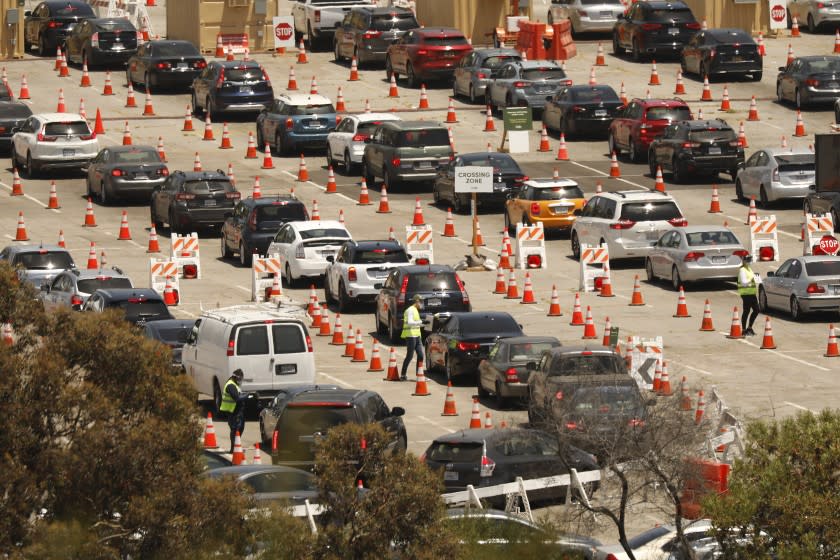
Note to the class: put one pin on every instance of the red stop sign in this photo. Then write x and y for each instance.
(283, 31)
(829, 245)
(778, 12)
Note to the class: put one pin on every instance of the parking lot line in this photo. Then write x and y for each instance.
(781, 354)
(437, 424)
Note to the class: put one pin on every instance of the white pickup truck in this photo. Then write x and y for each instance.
(317, 19)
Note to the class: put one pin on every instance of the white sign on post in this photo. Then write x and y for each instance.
(284, 31)
(778, 14)
(473, 179)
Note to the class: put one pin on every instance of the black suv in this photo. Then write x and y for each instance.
(139, 304)
(366, 33)
(688, 148)
(189, 199)
(406, 151)
(231, 85)
(722, 52)
(438, 285)
(309, 414)
(655, 28)
(101, 41)
(50, 21)
(249, 229)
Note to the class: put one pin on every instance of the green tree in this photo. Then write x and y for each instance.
(783, 498)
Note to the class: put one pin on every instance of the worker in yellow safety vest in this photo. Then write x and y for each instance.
(233, 405)
(748, 290)
(411, 334)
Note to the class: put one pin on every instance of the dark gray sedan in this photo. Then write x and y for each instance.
(507, 180)
(525, 84)
(505, 373)
(478, 69)
(271, 483)
(582, 110)
(802, 285)
(809, 80)
(73, 287)
(119, 172)
(13, 113)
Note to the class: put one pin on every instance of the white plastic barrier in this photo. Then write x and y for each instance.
(159, 271)
(592, 261)
(419, 243)
(184, 251)
(263, 272)
(644, 353)
(816, 226)
(530, 241)
(763, 234)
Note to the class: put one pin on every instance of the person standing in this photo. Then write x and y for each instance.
(233, 404)
(748, 290)
(411, 334)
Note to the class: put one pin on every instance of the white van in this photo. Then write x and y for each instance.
(270, 345)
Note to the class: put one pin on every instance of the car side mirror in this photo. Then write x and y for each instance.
(15, 129)
(531, 366)
(330, 259)
(812, 188)
(85, 168)
(45, 288)
(367, 140)
(397, 411)
(377, 286)
(27, 13)
(781, 68)
(741, 165)
(771, 273)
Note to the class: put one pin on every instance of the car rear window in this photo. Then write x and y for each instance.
(394, 21)
(607, 399)
(66, 128)
(595, 95)
(142, 310)
(367, 127)
(288, 339)
(455, 452)
(665, 15)
(498, 163)
(823, 268)
(423, 137)
(432, 281)
(597, 2)
(252, 74)
(557, 193)
(137, 156)
(289, 481)
(90, 285)
(829, 65)
(323, 232)
(281, 212)
(175, 49)
(493, 62)
(72, 10)
(376, 256)
(710, 238)
(796, 162)
(304, 419)
(712, 135)
(208, 186)
(252, 341)
(545, 73)
(315, 109)
(582, 364)
(174, 335)
(668, 113)
(121, 25)
(501, 325)
(453, 40)
(650, 211)
(528, 351)
(730, 36)
(44, 260)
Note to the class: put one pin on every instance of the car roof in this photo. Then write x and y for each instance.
(472, 314)
(269, 199)
(131, 148)
(529, 339)
(657, 5)
(430, 31)
(379, 10)
(368, 244)
(528, 64)
(701, 229)
(425, 268)
(778, 151)
(725, 33)
(412, 125)
(583, 348)
(252, 312)
(818, 258)
(101, 20)
(61, 3)
(705, 123)
(304, 99)
(119, 294)
(549, 182)
(237, 63)
(636, 195)
(486, 53)
(84, 273)
(205, 175)
(240, 470)
(815, 57)
(315, 224)
(172, 324)
(660, 102)
(475, 156)
(169, 42)
(370, 117)
(59, 117)
(341, 395)
(36, 247)
(478, 435)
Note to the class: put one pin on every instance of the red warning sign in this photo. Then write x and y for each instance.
(829, 245)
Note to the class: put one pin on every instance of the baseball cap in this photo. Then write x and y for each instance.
(417, 297)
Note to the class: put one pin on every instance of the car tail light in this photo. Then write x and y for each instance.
(275, 442)
(230, 346)
(190, 271)
(571, 425)
(422, 261)
(651, 26)
(163, 65)
(678, 222)
(692, 25)
(317, 16)
(820, 5)
(520, 84)
(521, 179)
(184, 196)
(235, 195)
(511, 376)
(53, 24)
(299, 252)
(465, 298)
(582, 13)
(201, 64)
(815, 289)
(403, 289)
(371, 34)
(579, 109)
(464, 346)
(221, 79)
(712, 53)
(94, 40)
(487, 464)
(163, 171)
(91, 136)
(395, 162)
(622, 224)
(252, 221)
(691, 144)
(481, 75)
(308, 343)
(741, 253)
(568, 82)
(535, 209)
(812, 82)
(636, 423)
(422, 52)
(351, 274)
(265, 76)
(776, 176)
(44, 138)
(611, 557)
(558, 395)
(692, 256)
(422, 457)
(290, 124)
(76, 301)
(766, 253)
(360, 137)
(735, 143)
(534, 261)
(117, 172)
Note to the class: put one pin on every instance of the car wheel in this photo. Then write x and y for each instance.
(330, 160)
(455, 93)
(410, 76)
(534, 417)
(245, 255)
(473, 98)
(618, 50)
(704, 72)
(367, 173)
(290, 280)
(762, 197)
(389, 70)
(756, 76)
(344, 301)
(797, 97)
(501, 402)
(31, 165)
(173, 227)
(402, 445)
(217, 398)
(380, 328)
(435, 194)
(637, 53)
(226, 252)
(651, 277)
(348, 162)
(633, 153)
(575, 245)
(86, 59)
(836, 219)
(88, 190)
(795, 309)
(393, 335)
(612, 146)
(196, 109)
(739, 190)
(328, 295)
(451, 371)
(279, 148)
(128, 79)
(812, 27)
(43, 49)
(779, 96)
(676, 281)
(210, 108)
(676, 172)
(652, 164)
(762, 300)
(104, 199)
(153, 216)
(509, 227)
(147, 82)
(457, 204)
(390, 180)
(337, 52)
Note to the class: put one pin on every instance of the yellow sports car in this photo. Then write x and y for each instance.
(554, 202)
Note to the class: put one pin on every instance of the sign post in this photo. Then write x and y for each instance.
(518, 122)
(284, 32)
(778, 14)
(474, 180)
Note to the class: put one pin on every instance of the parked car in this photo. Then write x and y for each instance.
(101, 41)
(805, 284)
(479, 68)
(227, 86)
(303, 247)
(358, 271)
(508, 179)
(691, 148)
(586, 15)
(695, 253)
(165, 63)
(190, 199)
(272, 410)
(525, 84)
(439, 285)
(555, 203)
(309, 415)
(47, 25)
(722, 52)
(271, 483)
(823, 202)
(13, 114)
(655, 28)
(295, 121)
(480, 457)
(641, 121)
(459, 341)
(53, 141)
(629, 222)
(214, 460)
(661, 542)
(582, 110)
(173, 333)
(773, 174)
(254, 222)
(429, 53)
(366, 33)
(120, 172)
(140, 305)
(814, 14)
(809, 80)
(504, 371)
(346, 144)
(405, 151)
(71, 288)
(37, 263)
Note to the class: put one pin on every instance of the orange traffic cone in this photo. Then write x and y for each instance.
(577, 314)
(210, 433)
(421, 387)
(665, 382)
(679, 89)
(657, 377)
(475, 416)
(800, 125)
(148, 108)
(251, 151)
(489, 123)
(130, 101)
(256, 189)
(61, 107)
(606, 283)
(714, 207)
(528, 293)
(488, 421)
(562, 150)
(301, 57)
(449, 226)
(90, 219)
(768, 343)
(92, 262)
(449, 402)
(424, 98)
(554, 307)
(832, 350)
(599, 57)
(659, 185)
(794, 28)
(340, 104)
(762, 51)
(790, 56)
(707, 90)
(724, 102)
(392, 90)
(735, 328)
(276, 291)
(197, 162)
(64, 70)
(125, 234)
(20, 233)
(599, 188)
(291, 85)
(359, 348)
(313, 86)
(706, 324)
(418, 219)
(85, 82)
(160, 150)
(324, 327)
(622, 94)
(208, 129)
(592, 80)
(169, 296)
(784, 143)
(257, 460)
(752, 214)
(316, 214)
(544, 144)
(753, 114)
(701, 407)
(685, 398)
(267, 163)
(615, 172)
(238, 454)
(226, 143)
(338, 332)
(451, 118)
(303, 173)
(589, 326)
(512, 290)
(220, 48)
(17, 186)
(742, 136)
(478, 240)
(504, 259)
(607, 326)
(364, 195)
(500, 282)
(350, 347)
(393, 373)
(126, 139)
(682, 307)
(24, 88)
(837, 41)
(391, 235)
(154, 246)
(375, 358)
(384, 206)
(699, 114)
(654, 76)
(98, 127)
(354, 70)
(52, 204)
(637, 299)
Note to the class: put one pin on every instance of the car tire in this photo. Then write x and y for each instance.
(739, 190)
(651, 277)
(633, 152)
(612, 147)
(756, 76)
(704, 72)
(762, 197)
(457, 205)
(575, 245)
(367, 173)
(196, 109)
(380, 328)
(676, 281)
(128, 79)
(344, 301)
(636, 53)
(618, 50)
(435, 194)
(836, 219)
(652, 164)
(245, 255)
(451, 371)
(104, 199)
(509, 227)
(676, 172)
(348, 163)
(210, 108)
(797, 98)
(173, 228)
(410, 76)
(226, 252)
(279, 148)
(86, 59)
(393, 335)
(762, 300)
(390, 181)
(479, 388)
(43, 49)
(153, 216)
(32, 167)
(389, 70)
(779, 95)
(812, 27)
(455, 93)
(147, 82)
(836, 114)
(501, 402)
(337, 53)
(290, 280)
(472, 96)
(260, 138)
(795, 309)
(217, 399)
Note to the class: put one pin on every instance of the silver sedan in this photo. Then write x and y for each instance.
(773, 174)
(694, 253)
(476, 70)
(802, 285)
(586, 15)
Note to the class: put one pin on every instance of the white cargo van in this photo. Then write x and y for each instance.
(270, 345)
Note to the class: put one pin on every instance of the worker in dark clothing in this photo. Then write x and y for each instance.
(233, 404)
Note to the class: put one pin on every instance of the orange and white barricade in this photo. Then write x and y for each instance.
(816, 226)
(592, 261)
(159, 271)
(764, 239)
(644, 354)
(263, 272)
(419, 243)
(184, 251)
(530, 246)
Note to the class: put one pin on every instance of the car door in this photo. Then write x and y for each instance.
(657, 254)
(335, 270)
(272, 120)
(344, 36)
(788, 79)
(377, 411)
(490, 367)
(398, 52)
(95, 172)
(691, 53)
(463, 73)
(774, 285)
(788, 282)
(374, 153)
(619, 125)
(664, 149)
(23, 137)
(33, 23)
(164, 198)
(754, 169)
(200, 84)
(57, 293)
(340, 138)
(445, 180)
(232, 227)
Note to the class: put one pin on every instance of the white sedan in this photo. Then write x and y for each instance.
(346, 144)
(303, 247)
(660, 543)
(53, 140)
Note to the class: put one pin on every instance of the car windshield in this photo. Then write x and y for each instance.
(137, 156)
(280, 212)
(432, 281)
(206, 186)
(90, 285)
(288, 481)
(376, 256)
(44, 260)
(587, 364)
(120, 24)
(831, 64)
(493, 62)
(173, 335)
(823, 268)
(666, 15)
(595, 95)
(367, 128)
(668, 113)
(455, 452)
(323, 232)
(646, 537)
(423, 137)
(796, 162)
(600, 2)
(314, 109)
(12, 110)
(650, 211)
(607, 400)
(243, 74)
(175, 49)
(543, 73)
(496, 325)
(709, 238)
(557, 193)
(394, 21)
(445, 41)
(68, 128)
(712, 135)
(498, 163)
(528, 351)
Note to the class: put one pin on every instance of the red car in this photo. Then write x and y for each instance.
(641, 121)
(426, 54)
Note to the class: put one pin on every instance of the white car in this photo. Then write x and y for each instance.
(53, 140)
(359, 269)
(773, 174)
(303, 247)
(660, 543)
(346, 144)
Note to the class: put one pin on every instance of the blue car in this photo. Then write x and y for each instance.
(296, 121)
(228, 86)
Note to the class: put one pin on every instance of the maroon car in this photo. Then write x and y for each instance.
(641, 121)
(430, 53)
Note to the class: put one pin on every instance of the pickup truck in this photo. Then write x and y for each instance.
(317, 19)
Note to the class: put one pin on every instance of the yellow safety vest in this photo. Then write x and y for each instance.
(411, 315)
(228, 404)
(749, 290)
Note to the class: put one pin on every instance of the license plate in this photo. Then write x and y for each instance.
(209, 202)
(449, 54)
(561, 209)
(285, 369)
(433, 301)
(424, 164)
(450, 475)
(737, 58)
(118, 47)
(315, 124)
(68, 153)
(673, 30)
(600, 112)
(652, 235)
(140, 176)
(183, 65)
(328, 253)
(831, 85)
(245, 89)
(714, 150)
(719, 260)
(606, 15)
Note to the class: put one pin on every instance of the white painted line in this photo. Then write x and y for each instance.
(331, 378)
(437, 424)
(187, 313)
(602, 174)
(780, 354)
(32, 198)
(692, 368)
(323, 188)
(243, 288)
(800, 407)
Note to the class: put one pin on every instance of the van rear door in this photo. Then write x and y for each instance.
(253, 357)
(292, 362)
